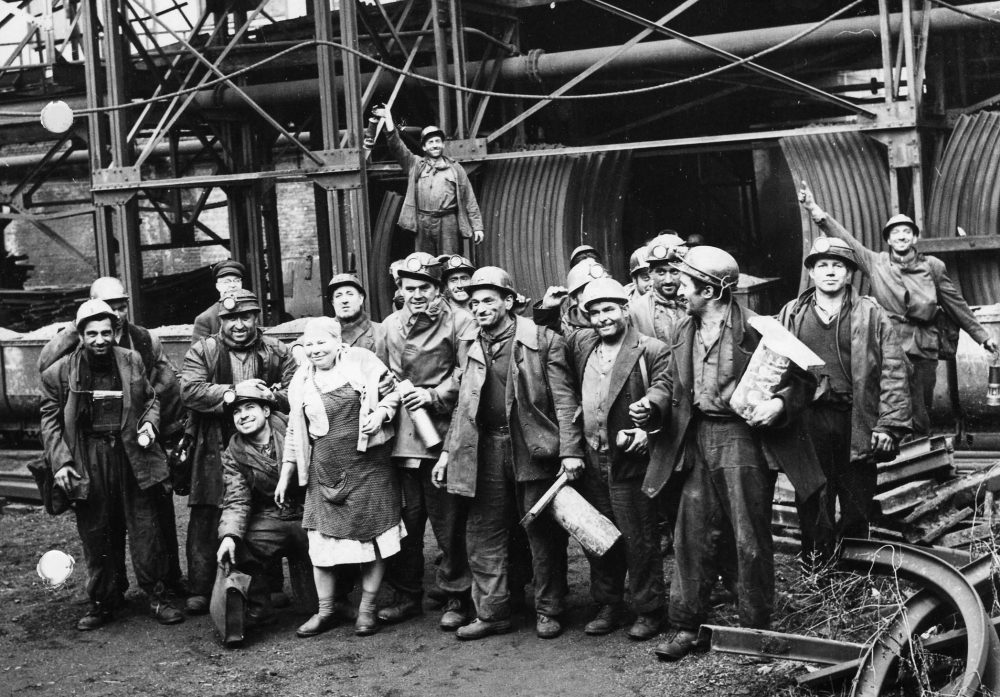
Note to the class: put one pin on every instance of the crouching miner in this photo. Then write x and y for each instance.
(512, 433)
(255, 531)
(99, 420)
(724, 518)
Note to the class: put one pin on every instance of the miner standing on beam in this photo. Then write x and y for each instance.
(440, 205)
(724, 518)
(513, 431)
(913, 288)
(862, 406)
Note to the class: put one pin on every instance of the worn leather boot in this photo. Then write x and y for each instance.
(196, 605)
(403, 609)
(678, 646)
(480, 629)
(547, 627)
(317, 624)
(645, 627)
(608, 619)
(456, 614)
(97, 616)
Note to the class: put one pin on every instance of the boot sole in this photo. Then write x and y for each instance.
(483, 635)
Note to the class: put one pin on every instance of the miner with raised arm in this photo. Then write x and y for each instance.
(99, 421)
(440, 206)
(913, 288)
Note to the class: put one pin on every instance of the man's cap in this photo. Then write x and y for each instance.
(251, 391)
(603, 289)
(344, 279)
(454, 263)
(583, 273)
(94, 309)
(899, 220)
(242, 300)
(830, 248)
(574, 257)
(430, 132)
(492, 277)
(710, 265)
(108, 288)
(638, 262)
(422, 267)
(230, 267)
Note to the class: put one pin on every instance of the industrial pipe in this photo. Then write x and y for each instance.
(538, 65)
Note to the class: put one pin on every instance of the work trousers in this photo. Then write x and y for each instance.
(267, 541)
(724, 521)
(447, 514)
(168, 529)
(438, 235)
(637, 550)
(202, 548)
(852, 483)
(500, 502)
(116, 507)
(922, 380)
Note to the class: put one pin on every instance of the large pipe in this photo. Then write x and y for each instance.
(670, 53)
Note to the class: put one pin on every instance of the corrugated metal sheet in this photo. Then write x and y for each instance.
(849, 176)
(381, 255)
(966, 194)
(537, 209)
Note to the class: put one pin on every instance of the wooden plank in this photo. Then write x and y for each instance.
(966, 536)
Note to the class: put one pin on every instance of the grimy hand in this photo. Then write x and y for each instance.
(65, 476)
(554, 297)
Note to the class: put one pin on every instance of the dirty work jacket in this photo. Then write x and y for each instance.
(642, 310)
(363, 333)
(428, 355)
(880, 389)
(911, 292)
(63, 401)
(250, 480)
(469, 217)
(207, 323)
(785, 445)
(627, 385)
(540, 400)
(159, 370)
(204, 397)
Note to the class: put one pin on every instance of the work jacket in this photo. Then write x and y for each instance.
(366, 334)
(785, 444)
(911, 292)
(250, 480)
(203, 395)
(880, 388)
(207, 323)
(541, 408)
(159, 370)
(639, 370)
(469, 217)
(63, 401)
(642, 310)
(426, 352)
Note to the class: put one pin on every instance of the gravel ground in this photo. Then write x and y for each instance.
(41, 653)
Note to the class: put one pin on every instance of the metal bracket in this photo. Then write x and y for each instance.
(903, 149)
(116, 185)
(341, 170)
(466, 149)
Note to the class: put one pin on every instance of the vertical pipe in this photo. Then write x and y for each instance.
(441, 63)
(919, 212)
(885, 38)
(357, 225)
(96, 131)
(458, 63)
(907, 30)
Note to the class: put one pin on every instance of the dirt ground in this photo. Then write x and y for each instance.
(41, 653)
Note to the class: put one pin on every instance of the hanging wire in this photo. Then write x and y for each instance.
(469, 90)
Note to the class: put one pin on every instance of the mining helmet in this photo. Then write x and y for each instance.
(710, 265)
(250, 391)
(242, 300)
(899, 220)
(230, 267)
(491, 277)
(603, 289)
(94, 309)
(453, 263)
(344, 279)
(661, 251)
(582, 274)
(422, 267)
(638, 263)
(430, 132)
(108, 288)
(830, 248)
(581, 252)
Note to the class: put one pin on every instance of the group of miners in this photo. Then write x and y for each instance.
(465, 405)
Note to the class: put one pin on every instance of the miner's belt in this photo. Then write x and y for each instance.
(440, 214)
(715, 417)
(496, 430)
